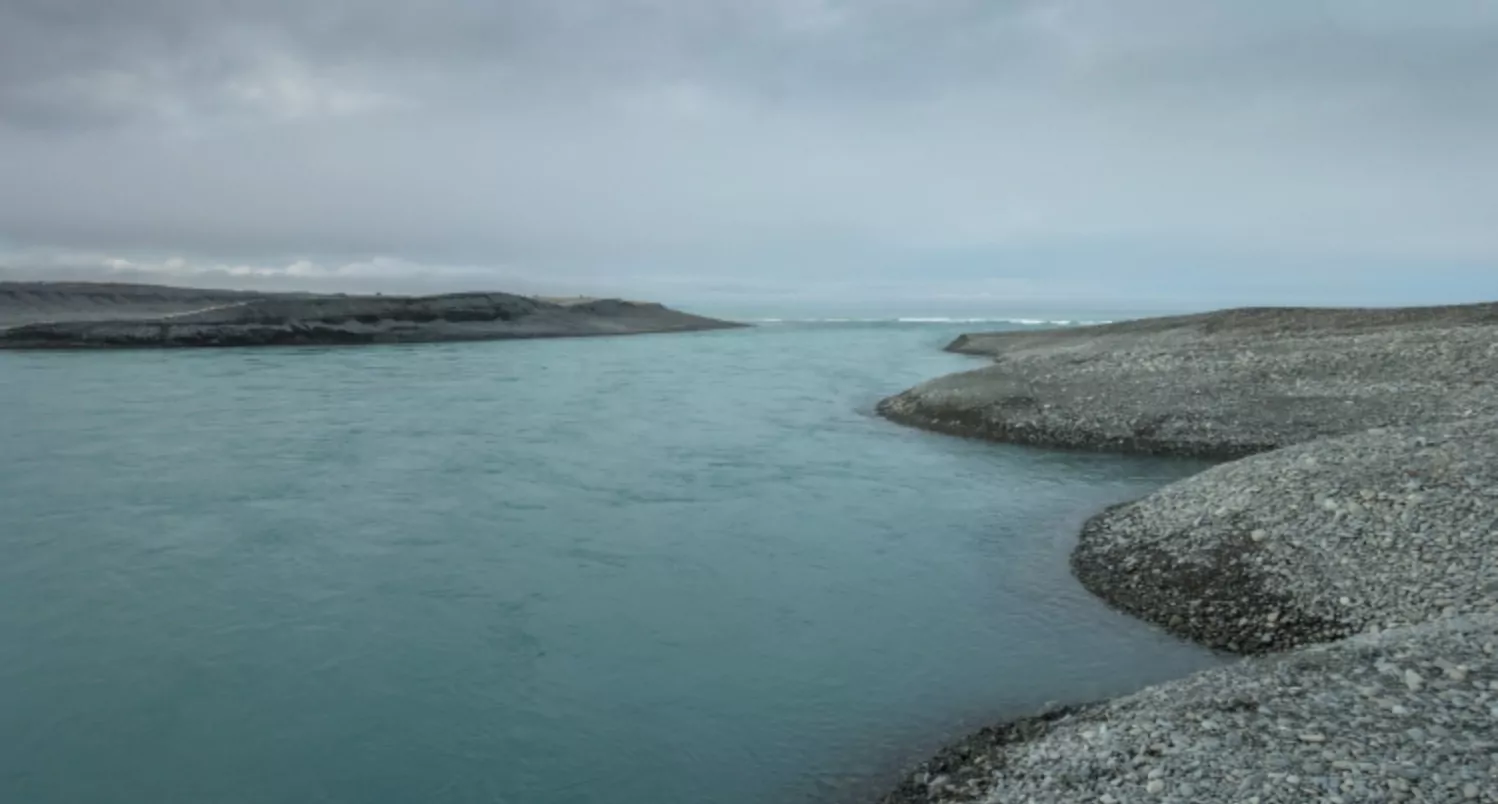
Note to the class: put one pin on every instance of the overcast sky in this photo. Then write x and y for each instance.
(896, 151)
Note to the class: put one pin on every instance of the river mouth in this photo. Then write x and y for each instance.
(668, 569)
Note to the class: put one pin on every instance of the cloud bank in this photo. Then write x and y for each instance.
(1044, 149)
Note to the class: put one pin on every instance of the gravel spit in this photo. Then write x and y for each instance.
(1353, 554)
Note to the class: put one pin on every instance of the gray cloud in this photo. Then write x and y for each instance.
(883, 146)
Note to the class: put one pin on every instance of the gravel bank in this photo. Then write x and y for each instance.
(1402, 715)
(1360, 535)
(1312, 542)
(1220, 385)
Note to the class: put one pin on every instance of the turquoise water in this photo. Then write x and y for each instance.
(654, 569)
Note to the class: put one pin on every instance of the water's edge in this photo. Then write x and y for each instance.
(967, 760)
(964, 770)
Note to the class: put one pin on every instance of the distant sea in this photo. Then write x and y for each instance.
(656, 569)
(990, 323)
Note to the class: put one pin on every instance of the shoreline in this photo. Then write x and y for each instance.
(1349, 540)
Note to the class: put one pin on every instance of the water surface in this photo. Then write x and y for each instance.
(653, 569)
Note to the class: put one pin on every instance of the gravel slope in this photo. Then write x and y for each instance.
(1369, 502)
(1218, 385)
(1309, 543)
(1403, 715)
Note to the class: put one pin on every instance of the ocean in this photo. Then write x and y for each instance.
(680, 568)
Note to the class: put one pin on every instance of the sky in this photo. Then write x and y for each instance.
(914, 153)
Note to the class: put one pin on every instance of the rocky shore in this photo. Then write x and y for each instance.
(1356, 544)
(182, 318)
(1403, 715)
(1219, 385)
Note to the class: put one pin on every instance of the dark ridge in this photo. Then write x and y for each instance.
(208, 318)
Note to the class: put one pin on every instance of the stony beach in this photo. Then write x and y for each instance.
(1219, 385)
(1351, 548)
